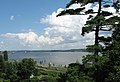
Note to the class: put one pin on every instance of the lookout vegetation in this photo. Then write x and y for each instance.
(27, 70)
(104, 64)
(101, 66)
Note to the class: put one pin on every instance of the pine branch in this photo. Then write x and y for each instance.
(106, 13)
(71, 11)
(104, 40)
(82, 2)
(87, 29)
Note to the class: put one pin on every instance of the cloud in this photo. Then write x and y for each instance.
(69, 27)
(12, 17)
(1, 42)
(32, 38)
(62, 32)
(29, 37)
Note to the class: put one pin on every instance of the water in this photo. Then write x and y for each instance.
(58, 58)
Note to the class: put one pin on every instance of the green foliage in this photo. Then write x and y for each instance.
(10, 71)
(105, 40)
(1, 62)
(95, 23)
(71, 11)
(115, 76)
(83, 2)
(101, 22)
(1, 58)
(94, 47)
(112, 20)
(26, 68)
(46, 74)
(5, 53)
(75, 73)
(49, 79)
(103, 67)
(98, 20)
(86, 29)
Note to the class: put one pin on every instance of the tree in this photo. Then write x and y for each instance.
(10, 71)
(5, 53)
(1, 61)
(109, 62)
(75, 73)
(95, 23)
(113, 53)
(26, 68)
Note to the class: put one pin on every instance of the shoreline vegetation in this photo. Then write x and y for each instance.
(27, 70)
(104, 64)
(101, 66)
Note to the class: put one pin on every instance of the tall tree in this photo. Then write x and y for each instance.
(94, 23)
(5, 55)
(1, 61)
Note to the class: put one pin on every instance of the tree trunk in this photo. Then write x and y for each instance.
(97, 77)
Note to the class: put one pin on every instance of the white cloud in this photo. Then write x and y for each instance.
(12, 17)
(1, 42)
(31, 38)
(64, 31)
(69, 27)
(61, 32)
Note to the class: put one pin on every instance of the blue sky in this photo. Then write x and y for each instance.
(33, 25)
(25, 14)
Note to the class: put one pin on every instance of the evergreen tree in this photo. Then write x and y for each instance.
(95, 23)
(1, 62)
(96, 63)
(5, 53)
(113, 53)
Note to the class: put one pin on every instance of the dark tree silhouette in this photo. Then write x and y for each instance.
(95, 23)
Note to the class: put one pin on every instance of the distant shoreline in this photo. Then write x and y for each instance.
(69, 50)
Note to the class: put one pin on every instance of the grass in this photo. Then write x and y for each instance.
(49, 73)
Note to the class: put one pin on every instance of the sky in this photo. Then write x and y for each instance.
(33, 25)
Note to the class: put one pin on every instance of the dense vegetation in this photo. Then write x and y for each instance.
(15, 71)
(27, 70)
(102, 66)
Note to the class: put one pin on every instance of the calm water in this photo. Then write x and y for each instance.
(58, 58)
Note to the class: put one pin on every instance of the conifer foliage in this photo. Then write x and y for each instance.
(104, 64)
(94, 23)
